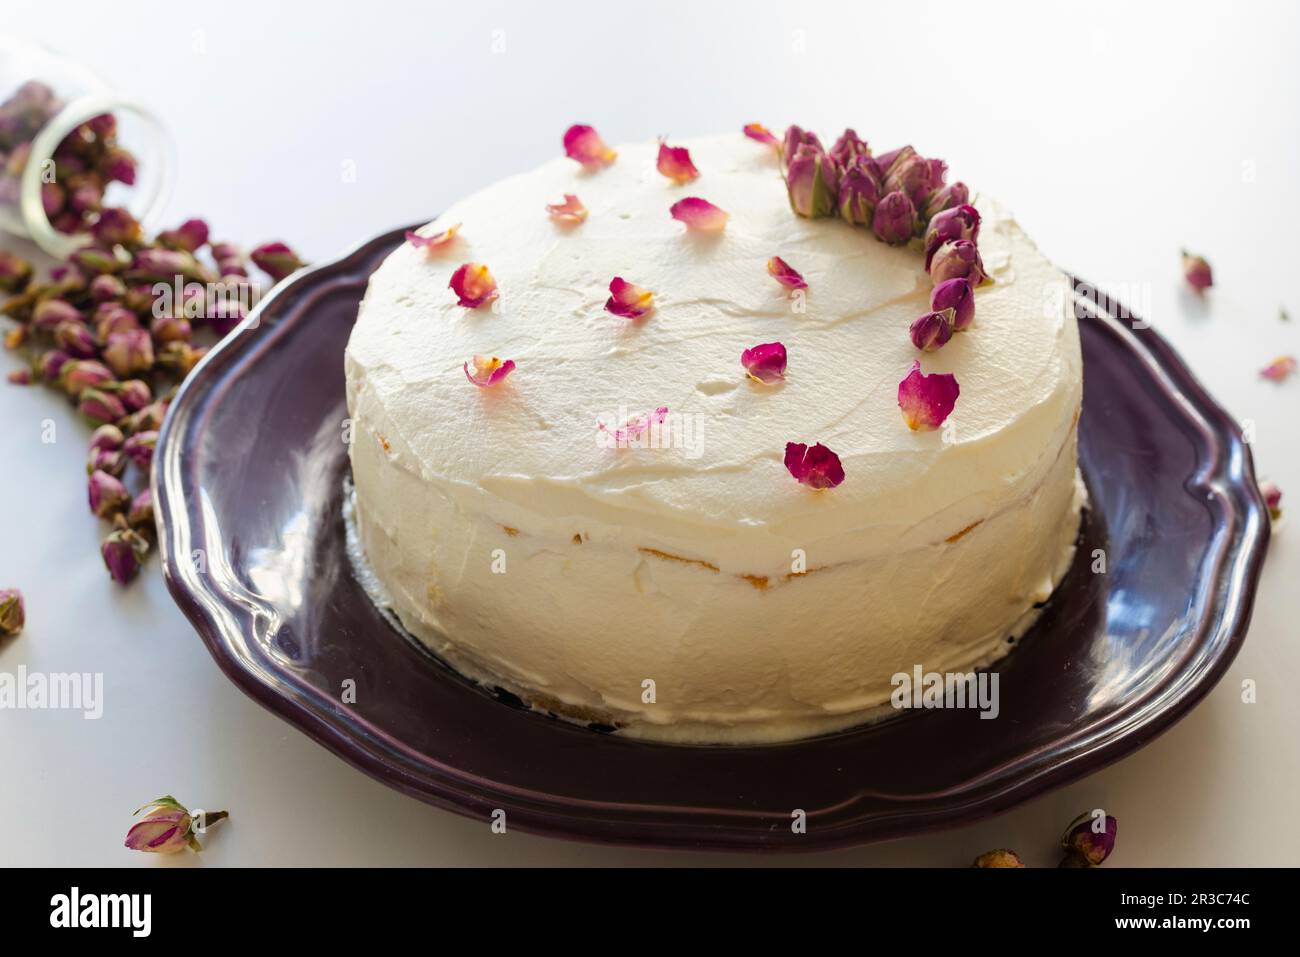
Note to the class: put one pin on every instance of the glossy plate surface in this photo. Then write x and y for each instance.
(249, 490)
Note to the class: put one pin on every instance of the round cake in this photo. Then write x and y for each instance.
(616, 525)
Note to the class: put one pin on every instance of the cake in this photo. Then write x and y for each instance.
(621, 525)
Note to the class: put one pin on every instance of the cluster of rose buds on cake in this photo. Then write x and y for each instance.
(116, 328)
(85, 162)
(900, 196)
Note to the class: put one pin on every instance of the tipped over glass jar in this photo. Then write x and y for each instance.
(69, 147)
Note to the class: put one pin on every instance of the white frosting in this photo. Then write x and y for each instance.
(448, 474)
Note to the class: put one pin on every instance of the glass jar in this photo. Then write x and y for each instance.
(70, 146)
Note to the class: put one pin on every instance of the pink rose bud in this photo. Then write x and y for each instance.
(108, 437)
(1089, 840)
(76, 376)
(166, 329)
(932, 331)
(916, 176)
(848, 148)
(949, 197)
(164, 265)
(51, 363)
(20, 377)
(859, 192)
(116, 226)
(1197, 272)
(106, 289)
(107, 494)
(98, 406)
(276, 259)
(168, 827)
(795, 136)
(1272, 493)
(134, 393)
(190, 236)
(13, 615)
(50, 314)
(15, 272)
(129, 352)
(112, 461)
(960, 222)
(813, 182)
(886, 161)
(894, 221)
(52, 199)
(111, 317)
(123, 551)
(119, 165)
(86, 198)
(140, 515)
(75, 338)
(139, 448)
(958, 296)
(957, 260)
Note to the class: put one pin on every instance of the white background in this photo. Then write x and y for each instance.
(1118, 132)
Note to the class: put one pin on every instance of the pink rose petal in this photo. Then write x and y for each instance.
(571, 211)
(765, 362)
(761, 134)
(1280, 368)
(699, 215)
(782, 272)
(473, 285)
(628, 300)
(816, 467)
(675, 163)
(637, 425)
(583, 143)
(435, 242)
(926, 400)
(488, 370)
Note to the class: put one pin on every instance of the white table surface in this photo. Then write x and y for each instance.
(1118, 132)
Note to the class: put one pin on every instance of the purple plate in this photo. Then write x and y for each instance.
(249, 489)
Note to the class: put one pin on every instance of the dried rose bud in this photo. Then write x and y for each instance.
(230, 261)
(12, 613)
(164, 265)
(916, 176)
(848, 148)
(100, 406)
(103, 126)
(167, 828)
(190, 236)
(1197, 272)
(97, 260)
(50, 364)
(950, 197)
(888, 160)
(123, 551)
(1002, 857)
(116, 226)
(959, 259)
(106, 289)
(107, 494)
(111, 317)
(112, 461)
(1272, 498)
(139, 448)
(77, 375)
(166, 329)
(108, 437)
(895, 219)
(53, 197)
(277, 260)
(932, 331)
(1089, 840)
(71, 282)
(140, 515)
(140, 299)
(75, 338)
(15, 272)
(20, 377)
(813, 182)
(960, 222)
(129, 352)
(119, 165)
(795, 137)
(957, 295)
(86, 198)
(134, 393)
(48, 315)
(15, 337)
(148, 419)
(859, 192)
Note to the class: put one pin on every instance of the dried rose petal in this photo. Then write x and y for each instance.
(765, 363)
(816, 467)
(782, 272)
(583, 143)
(1197, 272)
(628, 300)
(1272, 497)
(1280, 368)
(636, 425)
(926, 400)
(570, 211)
(488, 370)
(675, 163)
(761, 134)
(699, 215)
(473, 285)
(436, 241)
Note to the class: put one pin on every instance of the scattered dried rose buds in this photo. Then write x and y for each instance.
(1089, 840)
(1002, 857)
(123, 551)
(168, 827)
(1272, 493)
(13, 614)
(276, 259)
(1197, 272)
